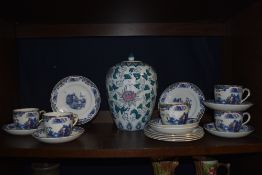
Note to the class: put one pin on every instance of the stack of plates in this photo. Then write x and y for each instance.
(179, 133)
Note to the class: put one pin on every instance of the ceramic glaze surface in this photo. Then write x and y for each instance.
(131, 87)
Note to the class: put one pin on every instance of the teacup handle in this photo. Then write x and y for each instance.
(248, 118)
(40, 114)
(248, 94)
(75, 119)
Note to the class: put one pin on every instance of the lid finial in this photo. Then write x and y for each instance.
(131, 57)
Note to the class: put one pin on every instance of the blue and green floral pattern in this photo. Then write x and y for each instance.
(131, 87)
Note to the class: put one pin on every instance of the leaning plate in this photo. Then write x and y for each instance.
(41, 136)
(187, 93)
(227, 107)
(78, 95)
(244, 131)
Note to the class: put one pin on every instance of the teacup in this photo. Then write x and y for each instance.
(230, 94)
(59, 124)
(27, 118)
(230, 121)
(173, 113)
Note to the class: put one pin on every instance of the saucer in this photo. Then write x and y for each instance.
(157, 125)
(41, 136)
(244, 131)
(187, 93)
(12, 129)
(78, 95)
(228, 107)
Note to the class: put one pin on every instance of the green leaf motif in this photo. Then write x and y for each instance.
(131, 69)
(147, 96)
(137, 75)
(115, 97)
(148, 105)
(135, 112)
(113, 87)
(145, 76)
(146, 87)
(148, 72)
(127, 76)
(152, 82)
(115, 73)
(140, 106)
(144, 119)
(137, 86)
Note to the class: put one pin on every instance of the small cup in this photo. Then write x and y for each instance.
(230, 94)
(230, 121)
(59, 124)
(173, 113)
(27, 118)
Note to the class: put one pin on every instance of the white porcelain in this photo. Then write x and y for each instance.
(27, 118)
(196, 134)
(157, 125)
(173, 113)
(132, 89)
(42, 137)
(228, 107)
(230, 121)
(76, 94)
(244, 131)
(187, 93)
(59, 124)
(230, 94)
(13, 129)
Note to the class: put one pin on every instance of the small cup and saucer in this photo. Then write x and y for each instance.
(58, 127)
(229, 98)
(174, 124)
(25, 121)
(230, 124)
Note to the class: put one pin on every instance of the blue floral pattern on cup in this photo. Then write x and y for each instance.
(26, 118)
(230, 121)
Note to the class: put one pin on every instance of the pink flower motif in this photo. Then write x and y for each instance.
(128, 96)
(212, 171)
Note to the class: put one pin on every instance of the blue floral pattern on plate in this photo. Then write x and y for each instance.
(76, 94)
(187, 93)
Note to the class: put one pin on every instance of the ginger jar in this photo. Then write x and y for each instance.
(132, 88)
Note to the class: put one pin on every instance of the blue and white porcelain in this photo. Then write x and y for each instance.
(194, 134)
(230, 121)
(59, 124)
(43, 137)
(132, 88)
(230, 94)
(27, 118)
(244, 131)
(227, 107)
(189, 126)
(13, 129)
(76, 94)
(173, 113)
(188, 93)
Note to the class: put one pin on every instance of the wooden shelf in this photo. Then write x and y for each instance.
(104, 140)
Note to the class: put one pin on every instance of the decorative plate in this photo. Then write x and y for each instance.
(196, 134)
(157, 125)
(12, 129)
(244, 131)
(187, 93)
(227, 107)
(41, 136)
(78, 95)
